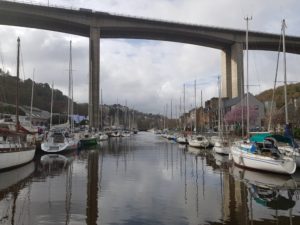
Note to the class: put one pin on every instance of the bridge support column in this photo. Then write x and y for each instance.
(94, 77)
(226, 73)
(232, 71)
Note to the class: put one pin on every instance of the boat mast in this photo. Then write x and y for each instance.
(219, 108)
(167, 120)
(51, 105)
(133, 119)
(184, 119)
(202, 125)
(179, 120)
(284, 68)
(242, 106)
(70, 99)
(274, 87)
(31, 104)
(164, 117)
(17, 92)
(171, 112)
(247, 74)
(129, 118)
(125, 115)
(195, 108)
(101, 110)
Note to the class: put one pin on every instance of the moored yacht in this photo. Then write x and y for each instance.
(198, 141)
(221, 146)
(262, 156)
(15, 149)
(59, 141)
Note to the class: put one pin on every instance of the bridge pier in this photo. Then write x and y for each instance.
(232, 71)
(94, 77)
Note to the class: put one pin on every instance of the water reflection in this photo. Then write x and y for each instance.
(12, 182)
(267, 190)
(145, 180)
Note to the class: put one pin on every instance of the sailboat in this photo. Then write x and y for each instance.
(260, 154)
(101, 135)
(221, 145)
(15, 150)
(60, 139)
(286, 144)
(182, 139)
(197, 140)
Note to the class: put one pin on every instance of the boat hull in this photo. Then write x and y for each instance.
(225, 150)
(103, 137)
(11, 159)
(259, 162)
(59, 147)
(88, 142)
(198, 144)
(182, 140)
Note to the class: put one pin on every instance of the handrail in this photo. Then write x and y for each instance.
(30, 2)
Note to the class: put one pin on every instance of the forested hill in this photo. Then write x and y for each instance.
(42, 95)
(293, 91)
(42, 100)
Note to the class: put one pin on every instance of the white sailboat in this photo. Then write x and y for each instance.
(198, 141)
(286, 143)
(182, 138)
(60, 138)
(260, 155)
(15, 150)
(221, 145)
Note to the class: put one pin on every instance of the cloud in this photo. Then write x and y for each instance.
(148, 74)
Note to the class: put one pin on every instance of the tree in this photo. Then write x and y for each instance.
(234, 116)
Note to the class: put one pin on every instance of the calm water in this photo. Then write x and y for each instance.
(144, 180)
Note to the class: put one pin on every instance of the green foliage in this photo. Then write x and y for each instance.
(293, 91)
(42, 95)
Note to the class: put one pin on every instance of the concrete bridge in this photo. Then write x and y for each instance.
(96, 25)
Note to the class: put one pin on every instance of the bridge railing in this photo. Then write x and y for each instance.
(30, 2)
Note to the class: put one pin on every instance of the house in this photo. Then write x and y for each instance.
(255, 106)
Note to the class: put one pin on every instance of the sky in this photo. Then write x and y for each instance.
(149, 74)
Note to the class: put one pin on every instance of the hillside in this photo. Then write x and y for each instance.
(42, 100)
(42, 95)
(293, 91)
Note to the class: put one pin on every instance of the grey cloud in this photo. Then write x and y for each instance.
(148, 74)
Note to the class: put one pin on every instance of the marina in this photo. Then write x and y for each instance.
(164, 125)
(145, 179)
